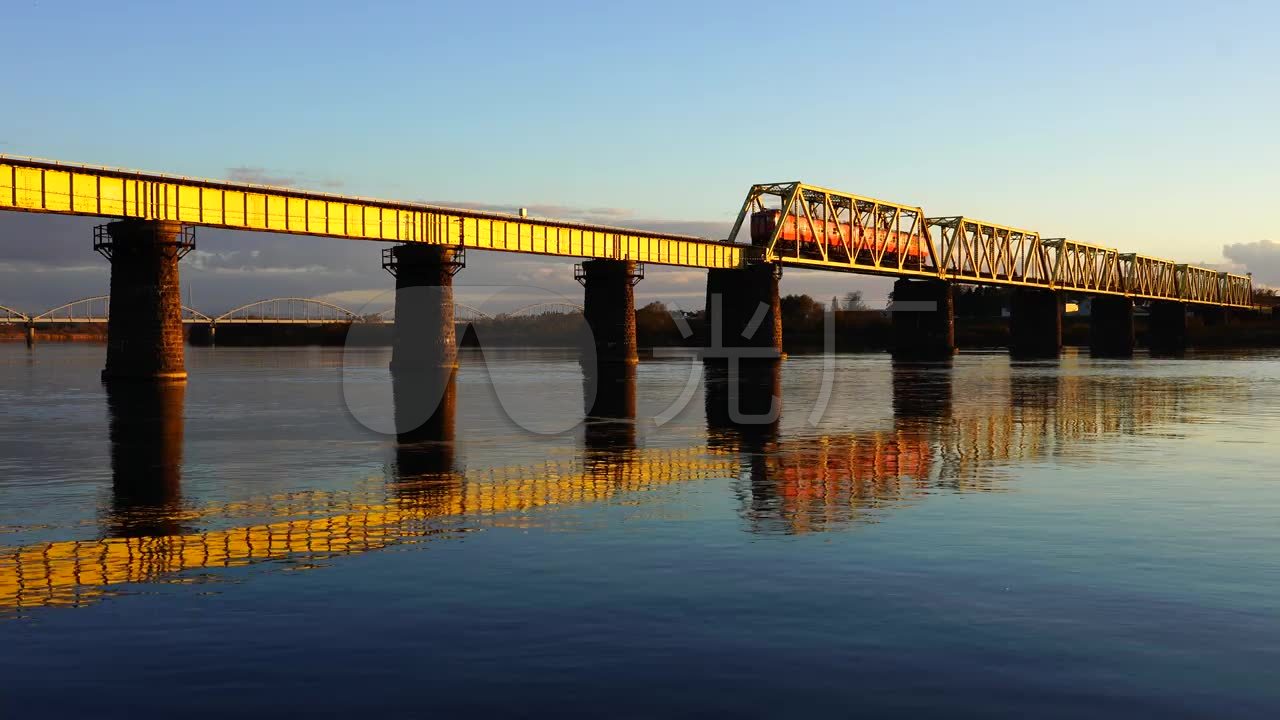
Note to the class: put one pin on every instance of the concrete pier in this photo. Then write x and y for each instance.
(743, 314)
(424, 337)
(144, 328)
(31, 334)
(1213, 316)
(924, 323)
(610, 308)
(1111, 326)
(1167, 328)
(1035, 324)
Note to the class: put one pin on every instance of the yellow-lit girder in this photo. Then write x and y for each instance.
(43, 186)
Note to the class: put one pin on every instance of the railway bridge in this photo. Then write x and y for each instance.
(778, 225)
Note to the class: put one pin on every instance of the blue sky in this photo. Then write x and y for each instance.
(1150, 127)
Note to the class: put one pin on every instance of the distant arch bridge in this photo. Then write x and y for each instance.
(270, 311)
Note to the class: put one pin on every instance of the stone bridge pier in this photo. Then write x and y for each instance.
(1167, 327)
(1035, 323)
(609, 305)
(743, 314)
(424, 336)
(924, 319)
(1111, 326)
(144, 328)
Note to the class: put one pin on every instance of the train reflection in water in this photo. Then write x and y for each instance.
(787, 483)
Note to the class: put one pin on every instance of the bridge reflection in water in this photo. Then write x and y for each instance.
(794, 484)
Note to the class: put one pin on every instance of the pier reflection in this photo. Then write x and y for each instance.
(743, 403)
(743, 413)
(146, 431)
(922, 394)
(609, 428)
(810, 483)
(952, 430)
(425, 472)
(426, 405)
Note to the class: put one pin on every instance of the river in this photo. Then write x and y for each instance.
(1059, 538)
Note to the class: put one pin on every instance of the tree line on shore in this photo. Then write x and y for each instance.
(981, 321)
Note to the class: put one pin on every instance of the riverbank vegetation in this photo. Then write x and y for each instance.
(981, 321)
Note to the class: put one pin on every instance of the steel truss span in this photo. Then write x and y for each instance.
(794, 224)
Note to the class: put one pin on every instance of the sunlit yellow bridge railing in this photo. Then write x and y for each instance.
(44, 186)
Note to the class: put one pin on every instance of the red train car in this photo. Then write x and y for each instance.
(797, 231)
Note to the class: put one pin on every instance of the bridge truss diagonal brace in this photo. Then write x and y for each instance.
(809, 226)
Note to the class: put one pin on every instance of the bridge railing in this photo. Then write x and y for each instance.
(9, 315)
(541, 308)
(95, 309)
(297, 310)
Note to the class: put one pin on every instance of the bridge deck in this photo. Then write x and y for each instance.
(818, 229)
(44, 186)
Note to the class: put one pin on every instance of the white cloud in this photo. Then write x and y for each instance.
(261, 176)
(1262, 258)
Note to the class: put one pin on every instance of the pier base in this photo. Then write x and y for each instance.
(1111, 327)
(1167, 328)
(609, 302)
(743, 314)
(424, 337)
(31, 334)
(144, 327)
(1035, 324)
(924, 323)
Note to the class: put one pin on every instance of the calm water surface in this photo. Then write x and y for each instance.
(988, 538)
